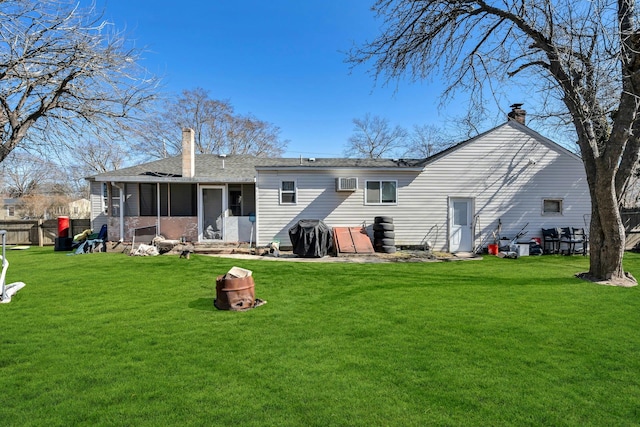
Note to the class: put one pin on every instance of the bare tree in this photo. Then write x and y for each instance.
(218, 129)
(25, 174)
(374, 138)
(63, 70)
(427, 140)
(154, 138)
(99, 155)
(249, 135)
(585, 56)
(44, 205)
(41, 185)
(208, 117)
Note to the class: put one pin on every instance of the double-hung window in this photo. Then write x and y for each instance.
(381, 193)
(288, 193)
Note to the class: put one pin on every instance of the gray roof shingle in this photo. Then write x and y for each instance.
(242, 168)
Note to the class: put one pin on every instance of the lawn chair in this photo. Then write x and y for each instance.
(574, 238)
(550, 240)
(7, 291)
(102, 235)
(92, 242)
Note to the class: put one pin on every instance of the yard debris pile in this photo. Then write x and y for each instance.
(273, 249)
(236, 291)
(144, 250)
(164, 245)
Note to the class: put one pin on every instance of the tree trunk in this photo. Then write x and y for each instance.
(606, 235)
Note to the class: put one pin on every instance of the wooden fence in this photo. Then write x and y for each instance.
(39, 232)
(44, 232)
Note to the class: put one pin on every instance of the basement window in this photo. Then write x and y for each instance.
(552, 207)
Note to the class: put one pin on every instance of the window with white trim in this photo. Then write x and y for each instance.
(11, 211)
(288, 193)
(381, 193)
(552, 207)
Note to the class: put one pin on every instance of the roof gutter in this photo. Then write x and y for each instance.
(340, 168)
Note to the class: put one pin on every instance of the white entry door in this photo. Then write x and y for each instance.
(460, 224)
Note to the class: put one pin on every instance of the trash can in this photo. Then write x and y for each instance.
(63, 226)
(63, 244)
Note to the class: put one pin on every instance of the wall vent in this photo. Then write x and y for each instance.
(346, 184)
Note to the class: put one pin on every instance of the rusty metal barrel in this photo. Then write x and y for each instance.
(233, 293)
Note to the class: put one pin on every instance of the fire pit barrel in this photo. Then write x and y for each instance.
(233, 293)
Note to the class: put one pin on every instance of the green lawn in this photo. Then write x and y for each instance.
(106, 339)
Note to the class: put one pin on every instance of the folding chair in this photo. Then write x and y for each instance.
(572, 237)
(550, 240)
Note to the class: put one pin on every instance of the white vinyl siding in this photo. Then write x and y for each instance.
(507, 172)
(318, 199)
(98, 216)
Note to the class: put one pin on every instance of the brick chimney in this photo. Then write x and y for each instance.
(517, 114)
(188, 153)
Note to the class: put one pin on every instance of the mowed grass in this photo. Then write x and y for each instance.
(111, 340)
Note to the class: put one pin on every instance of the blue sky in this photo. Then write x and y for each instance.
(280, 60)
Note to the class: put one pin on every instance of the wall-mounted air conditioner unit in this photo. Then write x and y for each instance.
(346, 184)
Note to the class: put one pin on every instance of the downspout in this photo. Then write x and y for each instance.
(120, 187)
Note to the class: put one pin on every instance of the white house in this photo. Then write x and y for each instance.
(454, 199)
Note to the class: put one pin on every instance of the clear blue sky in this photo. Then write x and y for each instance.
(280, 60)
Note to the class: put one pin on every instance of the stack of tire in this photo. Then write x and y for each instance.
(384, 236)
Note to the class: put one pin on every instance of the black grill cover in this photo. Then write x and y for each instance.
(311, 238)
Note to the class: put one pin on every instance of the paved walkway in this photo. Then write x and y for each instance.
(400, 256)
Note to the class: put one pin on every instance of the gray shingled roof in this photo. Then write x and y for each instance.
(242, 168)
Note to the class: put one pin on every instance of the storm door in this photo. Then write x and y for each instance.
(460, 225)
